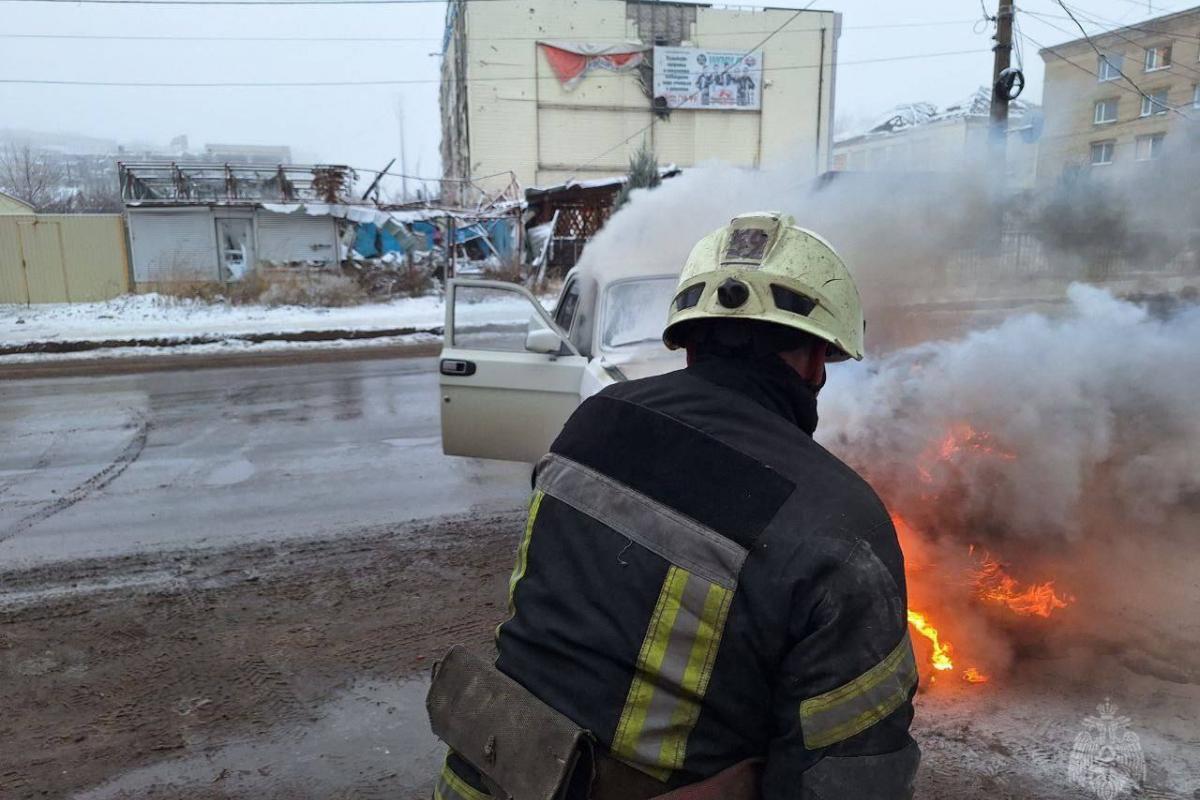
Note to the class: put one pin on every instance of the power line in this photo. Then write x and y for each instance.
(399, 82)
(1100, 23)
(1152, 8)
(1120, 72)
(1020, 50)
(136, 38)
(1107, 32)
(244, 2)
(1116, 33)
(1082, 68)
(366, 39)
(1114, 23)
(631, 137)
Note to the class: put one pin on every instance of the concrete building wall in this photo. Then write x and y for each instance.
(1073, 88)
(947, 145)
(937, 146)
(520, 118)
(62, 258)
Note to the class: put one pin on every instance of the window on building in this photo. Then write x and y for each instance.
(1158, 57)
(1150, 147)
(1109, 68)
(1106, 111)
(1102, 152)
(1154, 103)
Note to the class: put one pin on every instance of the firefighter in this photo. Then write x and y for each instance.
(706, 603)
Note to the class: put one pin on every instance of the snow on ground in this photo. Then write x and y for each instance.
(154, 316)
(223, 347)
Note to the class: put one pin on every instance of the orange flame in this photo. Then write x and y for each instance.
(941, 650)
(973, 675)
(989, 582)
(961, 438)
(995, 585)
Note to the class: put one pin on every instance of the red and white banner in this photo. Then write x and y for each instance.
(571, 61)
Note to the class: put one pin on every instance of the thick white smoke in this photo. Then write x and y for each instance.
(1053, 428)
(1022, 429)
(895, 231)
(1094, 394)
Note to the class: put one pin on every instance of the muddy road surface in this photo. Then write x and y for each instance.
(232, 584)
(296, 669)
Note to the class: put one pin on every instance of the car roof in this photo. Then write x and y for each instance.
(604, 279)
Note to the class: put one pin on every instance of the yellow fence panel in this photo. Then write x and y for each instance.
(94, 255)
(12, 271)
(63, 258)
(44, 272)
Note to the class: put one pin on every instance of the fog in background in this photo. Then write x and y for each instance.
(357, 124)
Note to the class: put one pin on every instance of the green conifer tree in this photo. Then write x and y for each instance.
(643, 174)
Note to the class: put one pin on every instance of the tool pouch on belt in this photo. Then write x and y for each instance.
(523, 747)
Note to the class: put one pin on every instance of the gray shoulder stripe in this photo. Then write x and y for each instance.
(659, 528)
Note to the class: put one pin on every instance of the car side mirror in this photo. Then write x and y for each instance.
(543, 340)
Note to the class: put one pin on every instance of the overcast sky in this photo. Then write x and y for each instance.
(358, 125)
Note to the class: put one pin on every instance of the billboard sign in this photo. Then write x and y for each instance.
(723, 80)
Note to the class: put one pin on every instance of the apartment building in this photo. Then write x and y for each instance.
(1109, 111)
(551, 91)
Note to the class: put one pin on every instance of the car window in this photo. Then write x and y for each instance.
(564, 315)
(635, 311)
(487, 318)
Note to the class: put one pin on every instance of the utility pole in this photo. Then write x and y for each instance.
(999, 115)
(403, 154)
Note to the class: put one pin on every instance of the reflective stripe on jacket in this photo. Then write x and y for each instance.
(699, 583)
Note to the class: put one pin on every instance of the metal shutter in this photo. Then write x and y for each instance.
(296, 238)
(173, 246)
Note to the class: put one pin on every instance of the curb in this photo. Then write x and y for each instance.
(85, 345)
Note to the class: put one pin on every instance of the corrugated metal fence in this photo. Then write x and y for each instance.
(62, 258)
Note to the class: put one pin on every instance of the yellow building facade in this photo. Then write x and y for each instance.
(1110, 111)
(505, 109)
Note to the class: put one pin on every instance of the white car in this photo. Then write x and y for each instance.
(512, 372)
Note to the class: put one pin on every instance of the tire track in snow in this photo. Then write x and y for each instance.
(93, 484)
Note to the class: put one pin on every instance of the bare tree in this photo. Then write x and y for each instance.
(93, 195)
(29, 175)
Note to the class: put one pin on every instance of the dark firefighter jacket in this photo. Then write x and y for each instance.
(699, 583)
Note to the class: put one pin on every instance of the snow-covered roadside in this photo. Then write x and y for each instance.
(148, 316)
(151, 324)
(223, 347)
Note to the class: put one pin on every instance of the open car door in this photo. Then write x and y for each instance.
(509, 375)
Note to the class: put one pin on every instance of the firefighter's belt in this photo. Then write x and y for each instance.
(523, 747)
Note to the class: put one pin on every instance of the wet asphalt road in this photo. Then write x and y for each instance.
(122, 463)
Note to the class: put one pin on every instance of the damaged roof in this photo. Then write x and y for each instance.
(169, 182)
(615, 182)
(911, 115)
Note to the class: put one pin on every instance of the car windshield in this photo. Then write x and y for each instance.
(635, 311)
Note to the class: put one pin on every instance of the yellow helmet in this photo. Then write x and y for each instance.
(763, 266)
